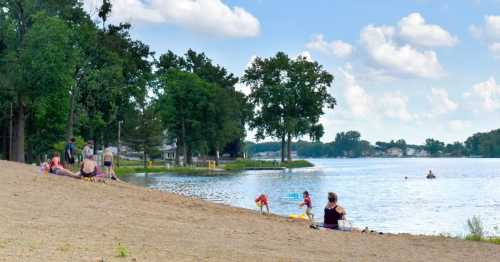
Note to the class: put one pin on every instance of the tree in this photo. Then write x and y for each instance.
(289, 95)
(225, 110)
(434, 147)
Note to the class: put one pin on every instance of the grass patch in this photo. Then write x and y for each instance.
(122, 251)
(263, 164)
(158, 169)
(477, 233)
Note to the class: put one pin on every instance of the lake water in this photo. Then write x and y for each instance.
(373, 191)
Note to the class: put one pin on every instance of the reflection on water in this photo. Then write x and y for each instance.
(373, 191)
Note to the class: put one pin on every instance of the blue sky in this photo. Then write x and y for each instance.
(409, 69)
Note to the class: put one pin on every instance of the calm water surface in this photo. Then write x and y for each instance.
(373, 191)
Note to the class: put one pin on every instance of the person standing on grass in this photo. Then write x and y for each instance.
(262, 201)
(69, 153)
(88, 150)
(308, 204)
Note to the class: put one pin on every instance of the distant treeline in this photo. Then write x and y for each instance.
(350, 144)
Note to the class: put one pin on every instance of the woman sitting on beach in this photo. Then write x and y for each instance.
(55, 167)
(333, 212)
(88, 168)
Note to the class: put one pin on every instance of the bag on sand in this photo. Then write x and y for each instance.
(345, 225)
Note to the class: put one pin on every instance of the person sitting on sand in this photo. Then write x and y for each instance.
(262, 201)
(333, 212)
(308, 204)
(430, 175)
(55, 167)
(88, 168)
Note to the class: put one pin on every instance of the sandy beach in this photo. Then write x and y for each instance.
(64, 219)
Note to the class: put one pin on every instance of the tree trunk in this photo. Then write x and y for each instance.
(19, 132)
(189, 155)
(72, 105)
(289, 148)
(217, 156)
(178, 145)
(145, 157)
(184, 146)
(282, 149)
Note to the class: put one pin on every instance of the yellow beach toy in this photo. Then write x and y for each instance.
(301, 216)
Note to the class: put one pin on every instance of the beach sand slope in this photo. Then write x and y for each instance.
(64, 219)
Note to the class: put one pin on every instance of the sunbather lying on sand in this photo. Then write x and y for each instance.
(56, 168)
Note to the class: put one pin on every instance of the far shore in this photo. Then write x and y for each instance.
(64, 219)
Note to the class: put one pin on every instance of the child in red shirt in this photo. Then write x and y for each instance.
(262, 201)
(308, 203)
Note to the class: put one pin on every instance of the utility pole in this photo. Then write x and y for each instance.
(119, 142)
(10, 132)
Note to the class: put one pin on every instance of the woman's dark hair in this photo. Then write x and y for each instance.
(72, 140)
(306, 193)
(332, 197)
(106, 145)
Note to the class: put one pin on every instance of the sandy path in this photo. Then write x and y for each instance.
(63, 219)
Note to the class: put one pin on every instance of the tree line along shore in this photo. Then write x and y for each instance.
(350, 144)
(65, 74)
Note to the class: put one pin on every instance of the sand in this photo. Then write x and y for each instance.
(64, 219)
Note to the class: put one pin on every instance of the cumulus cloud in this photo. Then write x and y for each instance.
(487, 93)
(414, 29)
(392, 105)
(207, 16)
(384, 52)
(358, 101)
(458, 125)
(441, 102)
(337, 48)
(490, 33)
(395, 105)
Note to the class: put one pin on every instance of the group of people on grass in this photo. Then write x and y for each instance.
(88, 169)
(333, 213)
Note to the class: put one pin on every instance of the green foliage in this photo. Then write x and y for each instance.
(434, 147)
(290, 96)
(484, 144)
(198, 103)
(122, 251)
(261, 164)
(476, 229)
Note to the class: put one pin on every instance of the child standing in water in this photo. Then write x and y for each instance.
(308, 204)
(262, 201)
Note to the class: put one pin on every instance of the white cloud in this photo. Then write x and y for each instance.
(358, 101)
(337, 48)
(440, 101)
(488, 93)
(362, 105)
(458, 125)
(395, 105)
(490, 33)
(207, 16)
(495, 49)
(404, 60)
(492, 27)
(414, 29)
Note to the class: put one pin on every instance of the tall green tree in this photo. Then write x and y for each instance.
(290, 96)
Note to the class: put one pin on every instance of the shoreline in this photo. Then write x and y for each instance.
(62, 219)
